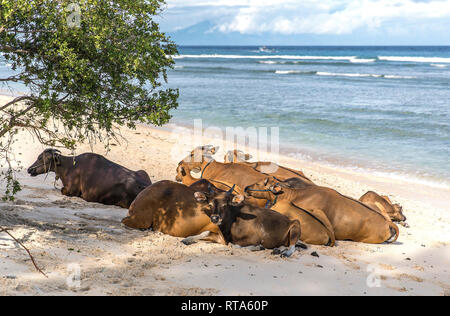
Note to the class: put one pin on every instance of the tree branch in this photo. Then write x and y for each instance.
(10, 49)
(18, 99)
(28, 251)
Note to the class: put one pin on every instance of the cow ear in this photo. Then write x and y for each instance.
(229, 157)
(248, 157)
(237, 200)
(386, 199)
(200, 196)
(57, 158)
(214, 150)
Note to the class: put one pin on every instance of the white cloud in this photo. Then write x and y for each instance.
(308, 16)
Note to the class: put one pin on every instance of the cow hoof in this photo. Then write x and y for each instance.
(276, 251)
(284, 252)
(404, 224)
(188, 241)
(301, 245)
(256, 248)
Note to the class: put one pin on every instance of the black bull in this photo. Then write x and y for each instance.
(92, 177)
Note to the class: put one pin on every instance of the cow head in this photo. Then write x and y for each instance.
(236, 156)
(196, 158)
(46, 162)
(397, 213)
(219, 204)
(265, 189)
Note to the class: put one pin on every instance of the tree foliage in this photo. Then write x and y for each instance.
(88, 66)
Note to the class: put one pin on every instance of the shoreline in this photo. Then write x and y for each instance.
(383, 182)
(386, 182)
(340, 161)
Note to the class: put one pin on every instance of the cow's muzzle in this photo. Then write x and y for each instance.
(215, 219)
(32, 171)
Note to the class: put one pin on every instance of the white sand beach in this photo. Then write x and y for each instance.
(65, 234)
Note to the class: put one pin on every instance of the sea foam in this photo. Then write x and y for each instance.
(364, 75)
(349, 58)
(415, 59)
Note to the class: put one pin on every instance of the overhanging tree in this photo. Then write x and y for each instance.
(87, 66)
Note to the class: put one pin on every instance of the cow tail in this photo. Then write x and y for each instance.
(295, 233)
(393, 238)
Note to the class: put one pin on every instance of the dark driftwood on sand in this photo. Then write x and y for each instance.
(26, 249)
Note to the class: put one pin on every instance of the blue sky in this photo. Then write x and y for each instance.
(307, 22)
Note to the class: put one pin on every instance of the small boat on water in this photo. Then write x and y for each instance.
(264, 49)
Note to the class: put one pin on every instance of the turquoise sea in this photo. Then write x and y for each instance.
(379, 109)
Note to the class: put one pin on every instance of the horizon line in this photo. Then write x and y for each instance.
(315, 45)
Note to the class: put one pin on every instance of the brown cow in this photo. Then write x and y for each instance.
(316, 228)
(174, 209)
(351, 219)
(184, 176)
(246, 225)
(201, 160)
(265, 167)
(92, 177)
(384, 205)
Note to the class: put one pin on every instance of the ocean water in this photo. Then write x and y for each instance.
(384, 110)
(380, 109)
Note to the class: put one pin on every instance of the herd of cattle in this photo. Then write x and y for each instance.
(249, 204)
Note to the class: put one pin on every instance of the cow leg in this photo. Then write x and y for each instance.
(404, 224)
(215, 235)
(210, 232)
(137, 222)
(293, 236)
(192, 239)
(65, 191)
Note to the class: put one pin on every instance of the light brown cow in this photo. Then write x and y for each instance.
(265, 167)
(184, 176)
(172, 208)
(384, 205)
(241, 176)
(351, 219)
(316, 228)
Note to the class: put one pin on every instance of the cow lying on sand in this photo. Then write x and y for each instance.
(350, 219)
(265, 167)
(172, 208)
(92, 177)
(245, 225)
(316, 228)
(200, 160)
(180, 211)
(384, 205)
(184, 176)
